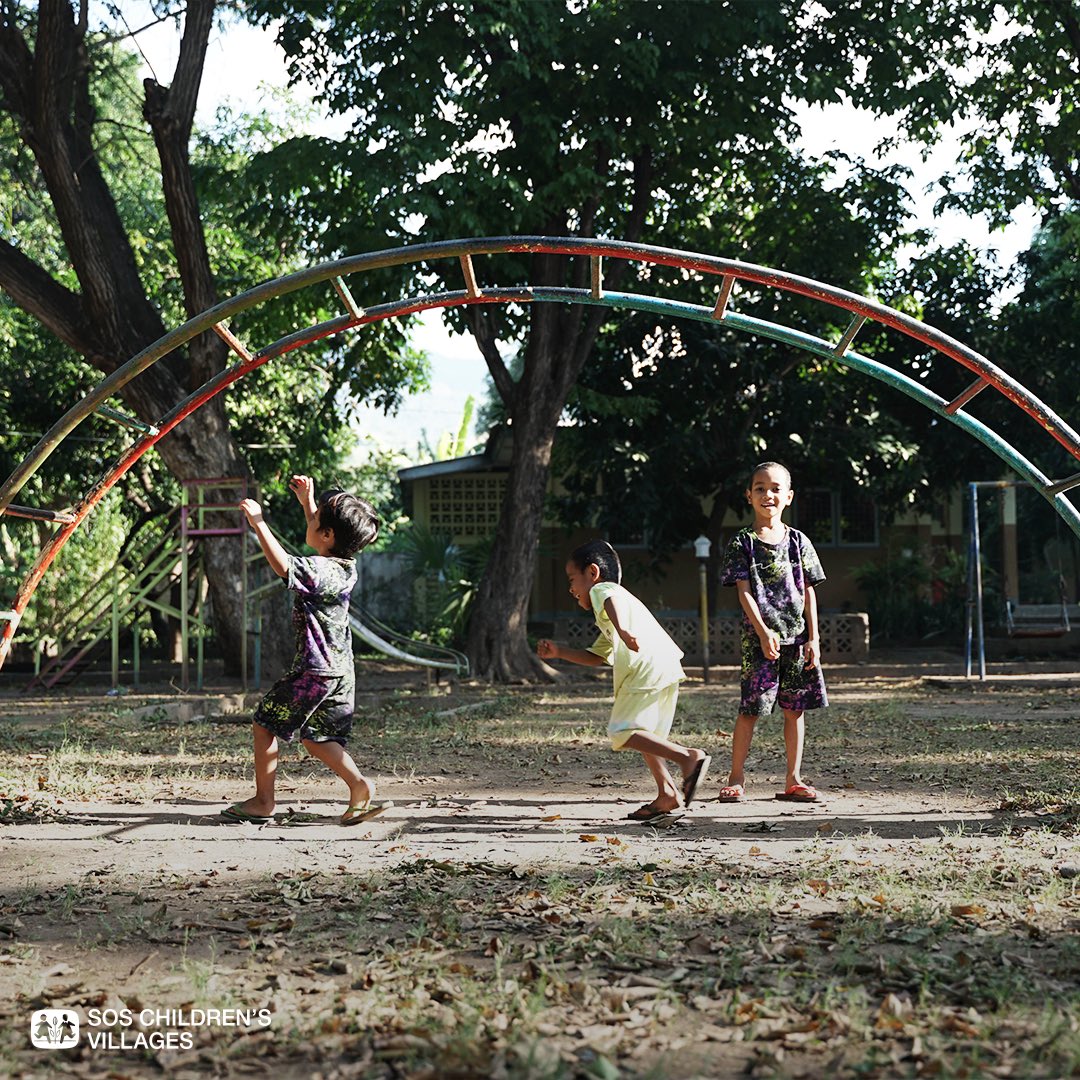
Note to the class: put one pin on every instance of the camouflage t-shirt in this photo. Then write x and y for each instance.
(778, 575)
(320, 615)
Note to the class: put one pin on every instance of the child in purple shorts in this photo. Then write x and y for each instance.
(775, 569)
(314, 698)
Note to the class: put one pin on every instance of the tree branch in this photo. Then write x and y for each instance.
(170, 112)
(483, 332)
(58, 309)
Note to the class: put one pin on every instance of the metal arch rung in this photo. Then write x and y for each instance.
(232, 341)
(725, 295)
(597, 270)
(470, 275)
(57, 517)
(124, 420)
(9, 616)
(1064, 485)
(353, 308)
(848, 336)
(958, 402)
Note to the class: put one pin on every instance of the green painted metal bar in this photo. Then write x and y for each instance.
(705, 264)
(351, 306)
(56, 517)
(896, 379)
(124, 420)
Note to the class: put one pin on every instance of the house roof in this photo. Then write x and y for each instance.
(495, 457)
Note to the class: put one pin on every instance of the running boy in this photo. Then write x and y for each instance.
(314, 698)
(646, 676)
(775, 569)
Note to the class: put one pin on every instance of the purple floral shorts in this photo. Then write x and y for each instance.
(315, 707)
(786, 682)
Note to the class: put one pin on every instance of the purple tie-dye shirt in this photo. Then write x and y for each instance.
(779, 575)
(320, 615)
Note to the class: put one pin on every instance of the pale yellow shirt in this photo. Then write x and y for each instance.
(655, 664)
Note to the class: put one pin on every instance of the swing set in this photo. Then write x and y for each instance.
(1021, 620)
(587, 257)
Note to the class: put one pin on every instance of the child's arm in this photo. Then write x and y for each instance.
(551, 650)
(770, 639)
(813, 648)
(303, 487)
(276, 555)
(613, 615)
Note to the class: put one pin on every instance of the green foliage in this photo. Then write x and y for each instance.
(287, 416)
(911, 595)
(445, 575)
(454, 446)
(999, 77)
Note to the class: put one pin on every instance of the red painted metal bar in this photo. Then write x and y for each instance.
(726, 286)
(704, 264)
(212, 319)
(961, 399)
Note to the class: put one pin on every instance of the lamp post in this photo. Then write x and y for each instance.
(702, 546)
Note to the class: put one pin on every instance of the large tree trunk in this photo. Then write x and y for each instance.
(560, 341)
(47, 92)
(497, 644)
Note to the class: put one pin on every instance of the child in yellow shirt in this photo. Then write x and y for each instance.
(647, 673)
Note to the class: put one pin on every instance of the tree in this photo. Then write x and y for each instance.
(103, 252)
(583, 119)
(1001, 76)
(48, 61)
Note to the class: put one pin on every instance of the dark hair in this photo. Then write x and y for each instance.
(762, 466)
(603, 555)
(353, 520)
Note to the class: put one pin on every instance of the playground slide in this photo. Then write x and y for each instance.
(449, 660)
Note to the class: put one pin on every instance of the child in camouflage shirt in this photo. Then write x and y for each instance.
(314, 698)
(775, 569)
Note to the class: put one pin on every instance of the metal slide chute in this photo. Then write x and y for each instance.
(407, 649)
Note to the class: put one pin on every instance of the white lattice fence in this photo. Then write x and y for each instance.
(844, 638)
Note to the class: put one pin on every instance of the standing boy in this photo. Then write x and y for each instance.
(775, 569)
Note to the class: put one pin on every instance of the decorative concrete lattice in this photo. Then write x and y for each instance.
(844, 638)
(467, 507)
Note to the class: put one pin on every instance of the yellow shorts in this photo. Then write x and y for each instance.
(647, 711)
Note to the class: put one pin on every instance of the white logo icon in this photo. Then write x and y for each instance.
(54, 1029)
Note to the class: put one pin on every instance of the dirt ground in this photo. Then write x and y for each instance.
(125, 890)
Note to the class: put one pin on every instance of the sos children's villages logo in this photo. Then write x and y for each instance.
(58, 1029)
(54, 1029)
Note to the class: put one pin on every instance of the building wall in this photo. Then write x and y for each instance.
(466, 505)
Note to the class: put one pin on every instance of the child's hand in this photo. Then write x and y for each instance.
(629, 640)
(770, 645)
(252, 511)
(303, 487)
(811, 651)
(547, 649)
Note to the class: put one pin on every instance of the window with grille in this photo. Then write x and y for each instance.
(832, 519)
(465, 506)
